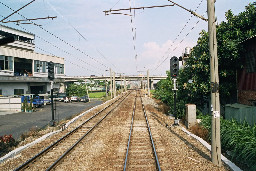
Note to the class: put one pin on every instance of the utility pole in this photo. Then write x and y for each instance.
(125, 88)
(215, 100)
(111, 89)
(87, 93)
(148, 82)
(114, 84)
(106, 87)
(121, 83)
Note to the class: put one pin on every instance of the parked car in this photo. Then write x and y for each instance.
(45, 98)
(74, 99)
(36, 100)
(84, 99)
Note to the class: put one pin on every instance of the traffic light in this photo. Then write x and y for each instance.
(174, 67)
(51, 70)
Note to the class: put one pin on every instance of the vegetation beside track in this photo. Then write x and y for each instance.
(237, 140)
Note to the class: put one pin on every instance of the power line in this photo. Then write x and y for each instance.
(16, 10)
(192, 12)
(181, 32)
(86, 39)
(59, 38)
(178, 44)
(59, 49)
(115, 4)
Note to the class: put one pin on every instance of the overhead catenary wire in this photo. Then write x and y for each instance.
(133, 29)
(178, 44)
(62, 51)
(59, 38)
(192, 12)
(17, 10)
(180, 33)
(84, 38)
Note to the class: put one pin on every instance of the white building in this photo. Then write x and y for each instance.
(22, 70)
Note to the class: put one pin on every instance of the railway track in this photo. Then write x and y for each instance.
(141, 153)
(52, 155)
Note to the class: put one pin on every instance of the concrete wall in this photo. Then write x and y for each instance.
(10, 103)
(8, 88)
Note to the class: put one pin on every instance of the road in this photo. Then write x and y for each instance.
(18, 123)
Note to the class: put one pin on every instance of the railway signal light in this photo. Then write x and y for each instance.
(174, 67)
(51, 70)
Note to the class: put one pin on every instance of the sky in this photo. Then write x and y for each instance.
(91, 42)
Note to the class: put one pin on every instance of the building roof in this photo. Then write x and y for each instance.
(17, 32)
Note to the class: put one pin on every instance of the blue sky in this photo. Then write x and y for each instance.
(91, 42)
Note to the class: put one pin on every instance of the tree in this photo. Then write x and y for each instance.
(194, 79)
(78, 89)
(230, 35)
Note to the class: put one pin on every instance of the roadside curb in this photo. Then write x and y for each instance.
(208, 146)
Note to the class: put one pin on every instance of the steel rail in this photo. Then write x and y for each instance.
(24, 165)
(78, 141)
(130, 134)
(151, 138)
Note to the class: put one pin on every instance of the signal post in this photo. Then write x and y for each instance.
(51, 78)
(174, 69)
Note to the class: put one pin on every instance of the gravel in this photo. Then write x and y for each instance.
(105, 147)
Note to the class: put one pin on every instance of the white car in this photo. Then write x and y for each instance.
(74, 99)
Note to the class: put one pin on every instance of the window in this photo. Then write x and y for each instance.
(18, 91)
(59, 68)
(44, 67)
(6, 63)
(2, 62)
(40, 66)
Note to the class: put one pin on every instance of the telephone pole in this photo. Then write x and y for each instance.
(111, 89)
(114, 84)
(215, 100)
(148, 82)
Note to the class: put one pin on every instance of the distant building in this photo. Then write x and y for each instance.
(247, 76)
(22, 70)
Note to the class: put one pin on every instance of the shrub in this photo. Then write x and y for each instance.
(239, 139)
(6, 144)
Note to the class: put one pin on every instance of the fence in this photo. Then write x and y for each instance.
(10, 103)
(241, 113)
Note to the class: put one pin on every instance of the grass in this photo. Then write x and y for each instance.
(97, 94)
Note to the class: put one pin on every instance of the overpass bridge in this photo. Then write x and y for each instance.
(117, 78)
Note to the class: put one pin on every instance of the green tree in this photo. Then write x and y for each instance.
(194, 79)
(78, 89)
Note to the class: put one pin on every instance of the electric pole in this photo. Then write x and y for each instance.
(215, 100)
(111, 90)
(125, 88)
(114, 84)
(148, 82)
